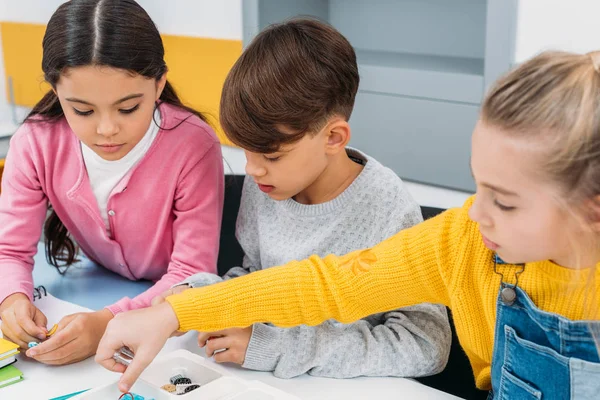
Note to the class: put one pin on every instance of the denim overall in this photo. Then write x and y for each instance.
(540, 355)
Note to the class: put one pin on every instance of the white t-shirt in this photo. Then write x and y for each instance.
(104, 175)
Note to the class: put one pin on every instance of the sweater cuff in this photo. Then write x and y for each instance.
(23, 288)
(264, 348)
(200, 279)
(16, 282)
(123, 305)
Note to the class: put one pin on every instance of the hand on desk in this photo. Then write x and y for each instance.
(235, 342)
(144, 331)
(76, 339)
(22, 321)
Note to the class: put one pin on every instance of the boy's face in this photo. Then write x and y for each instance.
(292, 169)
(516, 208)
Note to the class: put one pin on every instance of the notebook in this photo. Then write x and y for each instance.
(7, 349)
(7, 361)
(54, 309)
(9, 375)
(11, 355)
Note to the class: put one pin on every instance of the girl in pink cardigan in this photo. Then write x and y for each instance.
(132, 176)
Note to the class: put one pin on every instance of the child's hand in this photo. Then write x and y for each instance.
(22, 322)
(161, 297)
(144, 331)
(234, 341)
(76, 339)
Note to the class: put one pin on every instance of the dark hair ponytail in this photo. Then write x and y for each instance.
(114, 33)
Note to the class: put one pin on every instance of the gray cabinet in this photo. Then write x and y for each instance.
(424, 67)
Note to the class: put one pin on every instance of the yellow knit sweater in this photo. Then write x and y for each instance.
(442, 260)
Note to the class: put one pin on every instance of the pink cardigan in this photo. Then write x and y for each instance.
(165, 215)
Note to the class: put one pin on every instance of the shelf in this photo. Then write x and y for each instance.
(457, 79)
(424, 67)
(422, 140)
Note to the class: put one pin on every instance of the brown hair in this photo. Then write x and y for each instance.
(296, 75)
(554, 99)
(115, 33)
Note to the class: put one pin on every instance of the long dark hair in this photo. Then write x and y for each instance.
(115, 33)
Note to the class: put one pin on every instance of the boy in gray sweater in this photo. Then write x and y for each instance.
(287, 102)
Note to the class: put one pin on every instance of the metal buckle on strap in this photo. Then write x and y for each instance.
(508, 294)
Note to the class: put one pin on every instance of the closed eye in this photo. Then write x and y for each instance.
(503, 207)
(129, 110)
(272, 159)
(83, 113)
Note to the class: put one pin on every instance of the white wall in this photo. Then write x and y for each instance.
(221, 19)
(33, 11)
(571, 25)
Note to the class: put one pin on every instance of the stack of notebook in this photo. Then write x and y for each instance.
(8, 356)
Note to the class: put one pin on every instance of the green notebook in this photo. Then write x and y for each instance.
(10, 375)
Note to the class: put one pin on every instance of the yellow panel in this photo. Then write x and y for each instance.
(197, 67)
(22, 50)
(197, 70)
(1, 168)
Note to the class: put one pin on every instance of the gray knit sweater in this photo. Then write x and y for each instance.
(410, 342)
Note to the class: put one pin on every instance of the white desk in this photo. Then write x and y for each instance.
(44, 382)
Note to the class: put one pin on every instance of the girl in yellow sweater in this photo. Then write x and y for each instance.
(517, 264)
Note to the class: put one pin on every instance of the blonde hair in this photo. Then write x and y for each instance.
(555, 97)
(554, 100)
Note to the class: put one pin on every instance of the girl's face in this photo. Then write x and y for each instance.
(516, 209)
(108, 109)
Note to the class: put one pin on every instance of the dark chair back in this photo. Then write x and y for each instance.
(230, 252)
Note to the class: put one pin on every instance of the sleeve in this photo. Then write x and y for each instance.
(414, 266)
(23, 206)
(198, 208)
(409, 342)
(247, 235)
(404, 213)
